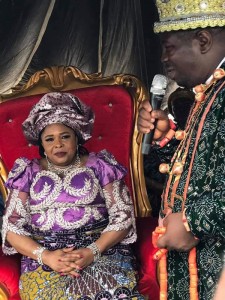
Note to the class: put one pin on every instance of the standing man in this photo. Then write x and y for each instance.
(192, 35)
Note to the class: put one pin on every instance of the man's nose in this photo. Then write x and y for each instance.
(164, 57)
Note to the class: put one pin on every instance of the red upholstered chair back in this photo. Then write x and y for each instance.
(113, 126)
(114, 100)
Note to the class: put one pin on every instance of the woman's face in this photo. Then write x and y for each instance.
(59, 143)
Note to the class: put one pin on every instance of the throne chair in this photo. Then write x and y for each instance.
(115, 101)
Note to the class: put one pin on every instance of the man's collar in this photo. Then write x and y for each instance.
(211, 77)
(220, 64)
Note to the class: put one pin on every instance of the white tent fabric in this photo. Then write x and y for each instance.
(24, 36)
(94, 35)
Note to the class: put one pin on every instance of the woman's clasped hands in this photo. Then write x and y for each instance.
(68, 261)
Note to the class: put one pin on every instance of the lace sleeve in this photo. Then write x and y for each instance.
(120, 210)
(15, 218)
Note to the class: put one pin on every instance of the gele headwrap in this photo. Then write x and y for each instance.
(62, 108)
(189, 14)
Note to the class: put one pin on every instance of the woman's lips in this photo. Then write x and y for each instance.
(60, 154)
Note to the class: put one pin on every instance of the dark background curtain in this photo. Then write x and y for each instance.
(107, 36)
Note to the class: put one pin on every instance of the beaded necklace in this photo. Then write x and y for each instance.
(203, 92)
(62, 171)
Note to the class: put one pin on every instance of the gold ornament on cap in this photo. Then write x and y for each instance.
(204, 5)
(189, 14)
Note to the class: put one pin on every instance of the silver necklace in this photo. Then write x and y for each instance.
(63, 170)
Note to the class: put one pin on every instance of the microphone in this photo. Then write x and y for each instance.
(157, 92)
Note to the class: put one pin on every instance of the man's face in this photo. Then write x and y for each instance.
(181, 58)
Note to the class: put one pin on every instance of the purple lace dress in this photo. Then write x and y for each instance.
(73, 211)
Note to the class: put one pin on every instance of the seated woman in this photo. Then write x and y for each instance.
(69, 213)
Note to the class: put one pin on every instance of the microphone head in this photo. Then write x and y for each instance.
(159, 85)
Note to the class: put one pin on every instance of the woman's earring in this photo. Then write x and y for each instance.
(48, 162)
(78, 154)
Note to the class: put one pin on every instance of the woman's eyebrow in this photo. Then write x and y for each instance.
(61, 133)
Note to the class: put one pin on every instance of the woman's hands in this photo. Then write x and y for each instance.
(76, 260)
(53, 259)
(68, 261)
(147, 118)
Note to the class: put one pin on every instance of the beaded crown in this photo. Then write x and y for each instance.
(189, 14)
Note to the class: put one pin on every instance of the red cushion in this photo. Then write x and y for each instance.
(10, 273)
(147, 284)
(15, 297)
